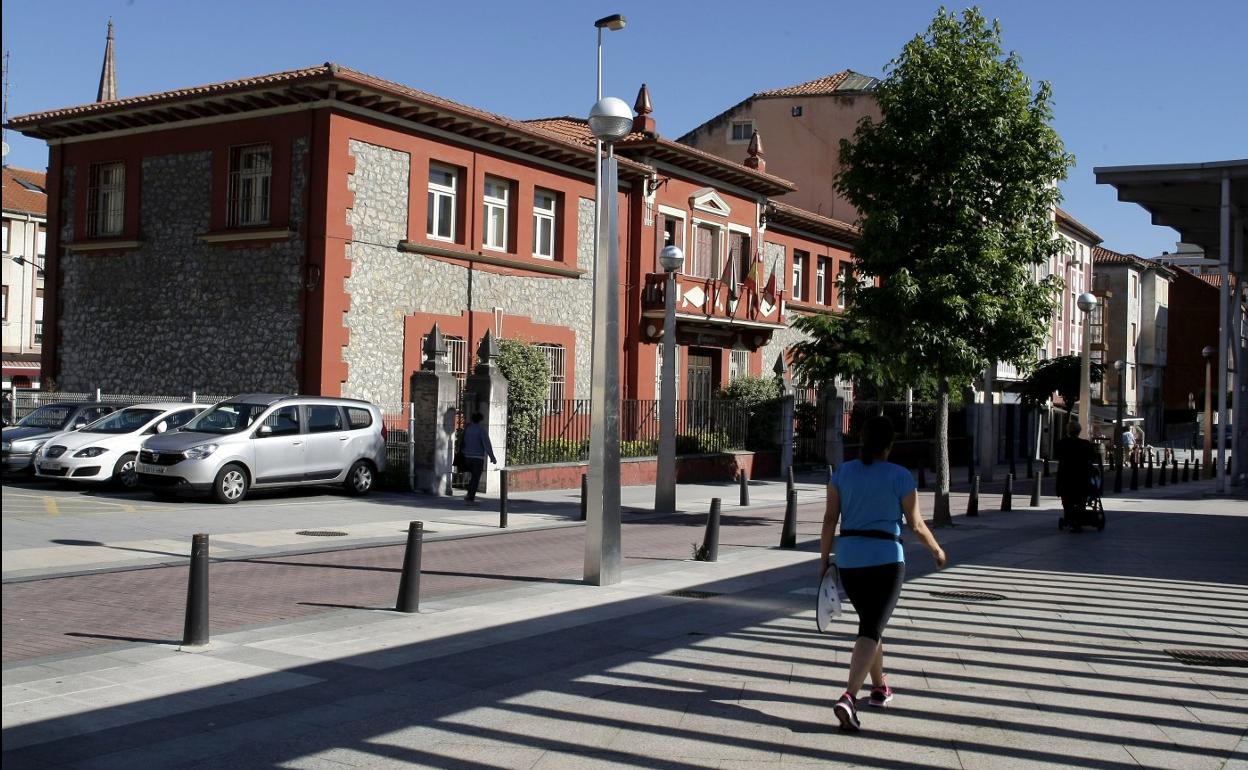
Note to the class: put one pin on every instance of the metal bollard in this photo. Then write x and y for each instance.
(710, 542)
(1007, 495)
(1148, 473)
(972, 502)
(744, 478)
(1174, 469)
(1196, 470)
(790, 481)
(1036, 491)
(503, 479)
(1135, 475)
(788, 531)
(195, 629)
(409, 583)
(922, 477)
(1186, 472)
(584, 497)
(1161, 476)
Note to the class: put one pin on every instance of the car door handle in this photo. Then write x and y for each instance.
(344, 438)
(295, 443)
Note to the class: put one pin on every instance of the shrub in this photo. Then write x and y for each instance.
(528, 384)
(639, 448)
(560, 450)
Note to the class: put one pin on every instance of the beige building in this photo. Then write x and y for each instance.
(25, 227)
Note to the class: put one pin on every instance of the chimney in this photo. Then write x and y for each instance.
(756, 160)
(108, 75)
(643, 123)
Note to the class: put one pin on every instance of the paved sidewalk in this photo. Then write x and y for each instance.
(694, 665)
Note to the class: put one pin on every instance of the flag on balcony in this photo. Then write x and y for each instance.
(754, 277)
(729, 276)
(769, 291)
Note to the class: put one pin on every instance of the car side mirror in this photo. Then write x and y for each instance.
(162, 426)
(79, 425)
(265, 430)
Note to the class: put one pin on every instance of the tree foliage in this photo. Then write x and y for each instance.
(955, 186)
(1059, 375)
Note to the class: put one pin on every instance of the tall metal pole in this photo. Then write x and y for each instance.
(1085, 375)
(1208, 447)
(665, 476)
(1121, 368)
(1224, 327)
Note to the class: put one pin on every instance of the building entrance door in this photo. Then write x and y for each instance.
(701, 387)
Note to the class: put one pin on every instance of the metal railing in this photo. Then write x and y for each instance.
(26, 401)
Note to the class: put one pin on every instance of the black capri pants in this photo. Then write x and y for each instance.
(874, 592)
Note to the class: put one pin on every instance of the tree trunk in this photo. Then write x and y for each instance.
(940, 509)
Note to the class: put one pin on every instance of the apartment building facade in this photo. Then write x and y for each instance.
(25, 231)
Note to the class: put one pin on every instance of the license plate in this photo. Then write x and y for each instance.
(145, 468)
(50, 466)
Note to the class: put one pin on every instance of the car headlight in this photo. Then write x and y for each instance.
(91, 451)
(199, 452)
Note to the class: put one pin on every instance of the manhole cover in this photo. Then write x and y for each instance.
(692, 594)
(321, 533)
(1210, 657)
(969, 596)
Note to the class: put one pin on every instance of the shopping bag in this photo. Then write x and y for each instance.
(828, 605)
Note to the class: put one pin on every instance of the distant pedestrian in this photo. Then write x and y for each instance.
(1075, 459)
(869, 498)
(1128, 445)
(477, 447)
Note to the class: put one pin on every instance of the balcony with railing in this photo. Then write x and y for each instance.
(707, 315)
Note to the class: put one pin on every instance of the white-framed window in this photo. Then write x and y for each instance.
(41, 243)
(741, 131)
(443, 189)
(6, 237)
(37, 336)
(739, 253)
(705, 251)
(544, 210)
(842, 280)
(556, 359)
(495, 196)
(799, 274)
(821, 281)
(672, 228)
(738, 365)
(106, 198)
(251, 174)
(6, 302)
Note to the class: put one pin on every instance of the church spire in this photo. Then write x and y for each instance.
(108, 75)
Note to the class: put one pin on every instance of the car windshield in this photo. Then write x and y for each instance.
(125, 421)
(227, 417)
(52, 416)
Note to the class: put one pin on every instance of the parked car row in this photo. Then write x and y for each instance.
(254, 441)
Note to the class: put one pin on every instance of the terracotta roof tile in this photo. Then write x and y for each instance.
(18, 195)
(1104, 256)
(845, 80)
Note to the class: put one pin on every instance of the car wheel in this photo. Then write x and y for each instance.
(231, 484)
(360, 478)
(125, 475)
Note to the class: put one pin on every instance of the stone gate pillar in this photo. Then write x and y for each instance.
(486, 393)
(434, 402)
(832, 402)
(784, 431)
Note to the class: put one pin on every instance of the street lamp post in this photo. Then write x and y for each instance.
(1086, 302)
(610, 120)
(1208, 352)
(672, 259)
(1121, 367)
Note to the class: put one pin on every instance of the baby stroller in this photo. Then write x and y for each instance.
(1093, 513)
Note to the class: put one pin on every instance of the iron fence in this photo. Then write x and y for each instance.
(26, 401)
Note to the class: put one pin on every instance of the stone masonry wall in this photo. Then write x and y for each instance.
(782, 338)
(177, 314)
(386, 285)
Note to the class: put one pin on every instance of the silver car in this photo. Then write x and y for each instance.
(22, 440)
(265, 441)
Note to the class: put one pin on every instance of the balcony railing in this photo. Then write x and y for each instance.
(709, 300)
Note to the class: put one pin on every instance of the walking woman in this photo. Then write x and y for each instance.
(870, 497)
(1075, 459)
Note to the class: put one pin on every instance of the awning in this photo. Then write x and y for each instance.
(27, 368)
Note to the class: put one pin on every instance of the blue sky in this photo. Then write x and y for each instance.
(1135, 81)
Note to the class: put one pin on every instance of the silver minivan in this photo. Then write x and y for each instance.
(265, 441)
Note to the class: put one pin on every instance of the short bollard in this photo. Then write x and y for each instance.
(503, 478)
(1035, 491)
(922, 477)
(972, 501)
(1135, 475)
(1161, 475)
(743, 482)
(584, 497)
(1187, 472)
(710, 542)
(1148, 473)
(1196, 470)
(195, 629)
(788, 531)
(1174, 469)
(409, 583)
(1007, 494)
(790, 480)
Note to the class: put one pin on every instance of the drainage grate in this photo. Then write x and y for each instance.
(692, 594)
(969, 596)
(1210, 657)
(321, 533)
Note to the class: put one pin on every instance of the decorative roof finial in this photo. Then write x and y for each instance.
(643, 123)
(435, 351)
(108, 74)
(755, 159)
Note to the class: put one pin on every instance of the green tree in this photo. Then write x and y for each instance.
(955, 184)
(1059, 375)
(528, 384)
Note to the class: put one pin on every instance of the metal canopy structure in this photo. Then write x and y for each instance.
(1207, 203)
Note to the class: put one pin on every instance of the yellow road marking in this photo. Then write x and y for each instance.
(49, 505)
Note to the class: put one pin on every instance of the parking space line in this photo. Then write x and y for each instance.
(50, 505)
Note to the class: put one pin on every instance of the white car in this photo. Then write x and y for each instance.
(106, 449)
